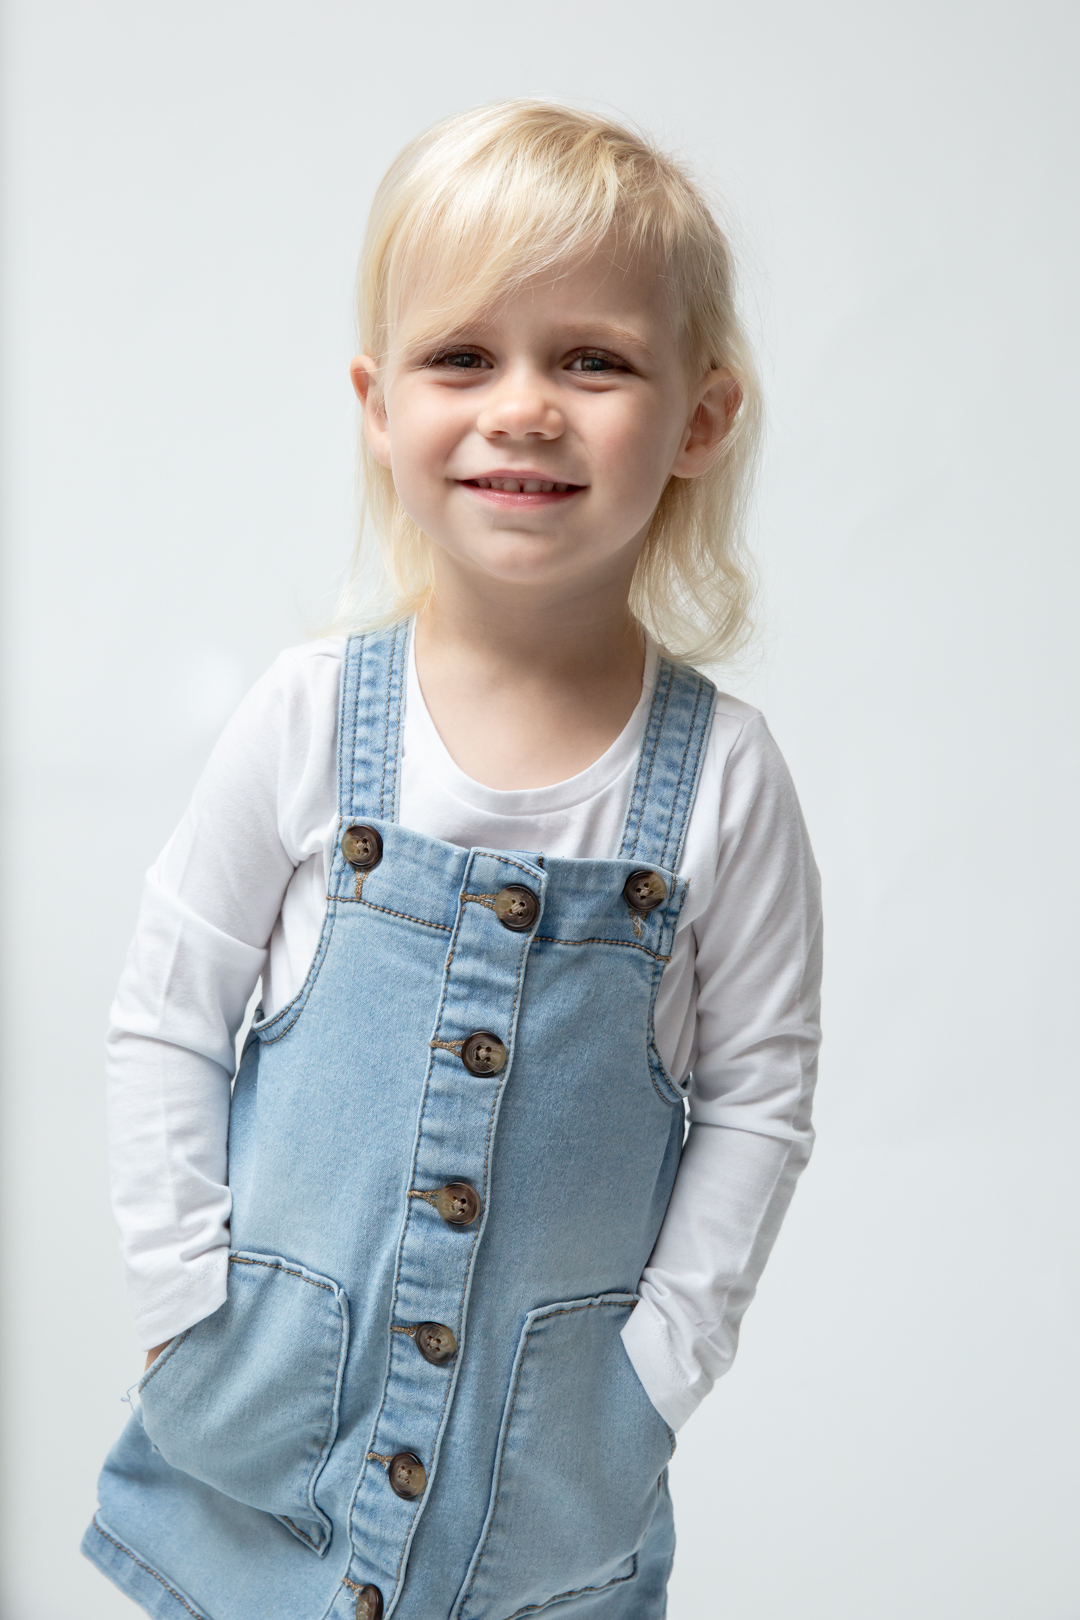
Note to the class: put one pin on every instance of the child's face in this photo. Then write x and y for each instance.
(533, 447)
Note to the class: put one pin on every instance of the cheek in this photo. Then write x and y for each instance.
(423, 434)
(636, 449)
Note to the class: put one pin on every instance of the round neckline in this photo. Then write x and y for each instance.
(619, 757)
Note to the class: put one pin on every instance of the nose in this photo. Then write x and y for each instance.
(520, 406)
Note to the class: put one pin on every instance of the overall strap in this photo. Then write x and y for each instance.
(369, 733)
(668, 766)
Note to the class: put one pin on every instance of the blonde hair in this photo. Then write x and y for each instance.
(475, 207)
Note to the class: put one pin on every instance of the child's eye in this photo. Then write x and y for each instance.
(594, 362)
(460, 359)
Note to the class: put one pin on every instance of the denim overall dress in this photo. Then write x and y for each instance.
(450, 1156)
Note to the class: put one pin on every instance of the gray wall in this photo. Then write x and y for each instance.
(185, 190)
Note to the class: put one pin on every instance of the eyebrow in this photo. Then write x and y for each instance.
(609, 330)
(575, 333)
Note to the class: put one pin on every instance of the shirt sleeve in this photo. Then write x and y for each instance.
(758, 972)
(208, 908)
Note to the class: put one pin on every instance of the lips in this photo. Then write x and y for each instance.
(522, 486)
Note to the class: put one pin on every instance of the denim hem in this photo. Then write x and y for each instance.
(151, 1590)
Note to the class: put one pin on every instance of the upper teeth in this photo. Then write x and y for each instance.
(520, 486)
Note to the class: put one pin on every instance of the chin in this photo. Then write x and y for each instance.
(535, 562)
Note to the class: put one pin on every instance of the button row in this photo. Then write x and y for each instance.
(516, 906)
(459, 1205)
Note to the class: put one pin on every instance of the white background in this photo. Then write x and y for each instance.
(186, 185)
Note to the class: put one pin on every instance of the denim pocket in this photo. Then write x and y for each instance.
(582, 1452)
(247, 1399)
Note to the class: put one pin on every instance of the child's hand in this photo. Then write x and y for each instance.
(152, 1355)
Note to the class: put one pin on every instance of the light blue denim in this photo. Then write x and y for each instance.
(252, 1484)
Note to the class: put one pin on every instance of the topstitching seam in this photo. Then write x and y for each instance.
(276, 1265)
(399, 716)
(506, 860)
(362, 647)
(591, 1305)
(358, 900)
(451, 1383)
(341, 721)
(299, 1001)
(324, 1447)
(391, 674)
(623, 944)
(652, 761)
(313, 1282)
(652, 739)
(684, 809)
(675, 808)
(579, 1591)
(161, 1360)
(344, 726)
(119, 1545)
(522, 957)
(668, 1091)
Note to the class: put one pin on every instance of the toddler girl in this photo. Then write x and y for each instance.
(428, 1294)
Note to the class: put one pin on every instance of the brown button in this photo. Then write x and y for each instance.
(369, 1603)
(484, 1053)
(644, 891)
(361, 847)
(517, 907)
(407, 1475)
(458, 1203)
(435, 1343)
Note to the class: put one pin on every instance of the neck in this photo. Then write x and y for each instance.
(533, 633)
(527, 685)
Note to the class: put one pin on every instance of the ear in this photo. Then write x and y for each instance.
(365, 376)
(718, 398)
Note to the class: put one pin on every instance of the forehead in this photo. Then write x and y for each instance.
(602, 285)
(627, 293)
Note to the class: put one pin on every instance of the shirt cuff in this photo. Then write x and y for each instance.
(198, 1292)
(645, 1341)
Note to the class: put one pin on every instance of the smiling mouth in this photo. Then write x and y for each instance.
(521, 486)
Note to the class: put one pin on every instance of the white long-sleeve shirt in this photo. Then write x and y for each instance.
(239, 894)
